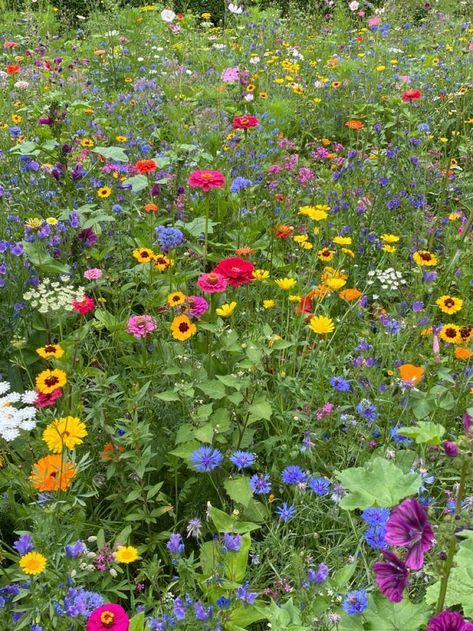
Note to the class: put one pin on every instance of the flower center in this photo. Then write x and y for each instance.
(107, 618)
(51, 381)
(449, 302)
(212, 279)
(183, 327)
(426, 256)
(50, 349)
(451, 333)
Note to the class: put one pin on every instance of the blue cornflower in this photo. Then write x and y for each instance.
(239, 184)
(367, 409)
(355, 602)
(260, 484)
(286, 512)
(375, 516)
(169, 237)
(76, 549)
(24, 544)
(319, 575)
(175, 544)
(242, 459)
(231, 543)
(206, 458)
(375, 536)
(320, 486)
(340, 384)
(293, 474)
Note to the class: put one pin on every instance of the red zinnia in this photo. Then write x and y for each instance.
(146, 166)
(244, 122)
(83, 306)
(236, 271)
(13, 69)
(206, 180)
(411, 95)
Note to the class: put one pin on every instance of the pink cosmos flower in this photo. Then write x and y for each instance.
(206, 180)
(109, 617)
(83, 306)
(374, 21)
(141, 325)
(230, 75)
(212, 283)
(94, 273)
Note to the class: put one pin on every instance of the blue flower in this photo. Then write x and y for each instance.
(293, 474)
(319, 575)
(286, 512)
(260, 484)
(355, 602)
(79, 602)
(375, 516)
(179, 609)
(243, 594)
(206, 458)
(76, 549)
(340, 384)
(169, 237)
(320, 486)
(223, 602)
(239, 184)
(201, 613)
(231, 543)
(175, 544)
(24, 544)
(242, 459)
(375, 536)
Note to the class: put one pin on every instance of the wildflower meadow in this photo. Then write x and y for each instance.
(236, 316)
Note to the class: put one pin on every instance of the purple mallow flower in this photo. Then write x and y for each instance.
(392, 576)
(449, 621)
(408, 527)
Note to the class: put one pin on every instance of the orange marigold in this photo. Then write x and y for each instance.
(350, 294)
(52, 473)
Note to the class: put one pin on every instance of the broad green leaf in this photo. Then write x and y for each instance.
(205, 433)
(26, 148)
(340, 579)
(425, 432)
(383, 615)
(242, 617)
(138, 183)
(185, 450)
(260, 409)
(137, 622)
(379, 483)
(197, 226)
(168, 395)
(117, 154)
(227, 523)
(213, 388)
(239, 490)
(231, 381)
(42, 261)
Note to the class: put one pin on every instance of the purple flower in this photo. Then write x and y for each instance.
(319, 575)
(340, 384)
(408, 527)
(286, 512)
(450, 448)
(16, 249)
(175, 544)
(260, 484)
(24, 544)
(467, 423)
(449, 621)
(293, 475)
(243, 594)
(76, 549)
(392, 576)
(196, 306)
(242, 459)
(355, 602)
(231, 543)
(320, 486)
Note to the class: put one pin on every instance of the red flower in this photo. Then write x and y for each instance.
(83, 306)
(236, 271)
(244, 122)
(46, 400)
(206, 180)
(411, 95)
(13, 69)
(146, 166)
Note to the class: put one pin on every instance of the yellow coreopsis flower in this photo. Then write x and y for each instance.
(226, 310)
(285, 283)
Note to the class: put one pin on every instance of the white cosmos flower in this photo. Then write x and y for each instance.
(168, 15)
(235, 9)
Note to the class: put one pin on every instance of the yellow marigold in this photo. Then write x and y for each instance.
(126, 554)
(294, 298)
(68, 431)
(33, 563)
(322, 325)
(335, 283)
(268, 304)
(348, 252)
(313, 212)
(389, 248)
(342, 240)
(462, 353)
(285, 283)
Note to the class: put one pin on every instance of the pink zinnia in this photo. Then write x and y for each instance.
(94, 273)
(109, 617)
(237, 271)
(141, 325)
(83, 306)
(206, 180)
(212, 283)
(196, 306)
(46, 400)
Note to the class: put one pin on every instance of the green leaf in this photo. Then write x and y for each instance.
(239, 490)
(212, 388)
(426, 432)
(168, 395)
(340, 579)
(383, 615)
(196, 227)
(137, 622)
(26, 148)
(185, 450)
(242, 617)
(227, 523)
(116, 154)
(42, 261)
(231, 381)
(205, 433)
(378, 483)
(235, 564)
(260, 409)
(138, 183)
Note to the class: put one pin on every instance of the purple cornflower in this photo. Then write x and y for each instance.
(24, 544)
(408, 527)
(231, 543)
(392, 576)
(318, 576)
(260, 484)
(175, 544)
(286, 512)
(242, 459)
(206, 458)
(293, 474)
(320, 486)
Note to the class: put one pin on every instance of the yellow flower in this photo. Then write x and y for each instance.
(342, 240)
(335, 283)
(52, 221)
(121, 138)
(34, 223)
(272, 339)
(226, 310)
(49, 380)
(104, 192)
(68, 431)
(300, 238)
(175, 298)
(182, 328)
(293, 298)
(317, 213)
(424, 258)
(348, 252)
(126, 554)
(33, 563)
(285, 283)
(325, 254)
(389, 248)
(451, 333)
(260, 274)
(16, 118)
(307, 245)
(143, 255)
(51, 351)
(322, 325)
(389, 238)
(162, 262)
(268, 304)
(87, 142)
(449, 304)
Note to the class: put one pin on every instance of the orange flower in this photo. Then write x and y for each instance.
(354, 124)
(13, 69)
(410, 373)
(146, 166)
(151, 208)
(111, 452)
(283, 231)
(462, 353)
(350, 294)
(52, 473)
(244, 251)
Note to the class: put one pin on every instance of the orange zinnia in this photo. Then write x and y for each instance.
(411, 373)
(283, 231)
(244, 251)
(52, 473)
(350, 294)
(354, 124)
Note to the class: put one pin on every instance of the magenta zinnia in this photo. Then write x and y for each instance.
(141, 325)
(206, 180)
(408, 527)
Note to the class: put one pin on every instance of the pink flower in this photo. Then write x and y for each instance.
(108, 617)
(83, 306)
(405, 78)
(212, 283)
(196, 306)
(374, 21)
(46, 400)
(141, 325)
(94, 273)
(230, 75)
(206, 180)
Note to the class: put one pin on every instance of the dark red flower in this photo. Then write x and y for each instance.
(411, 95)
(236, 271)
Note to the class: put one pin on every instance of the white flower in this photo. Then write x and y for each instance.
(235, 9)
(354, 6)
(249, 97)
(167, 15)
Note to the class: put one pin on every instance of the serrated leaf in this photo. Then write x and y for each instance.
(239, 490)
(379, 483)
(383, 615)
(425, 432)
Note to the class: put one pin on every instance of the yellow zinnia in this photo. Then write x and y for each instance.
(176, 298)
(68, 431)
